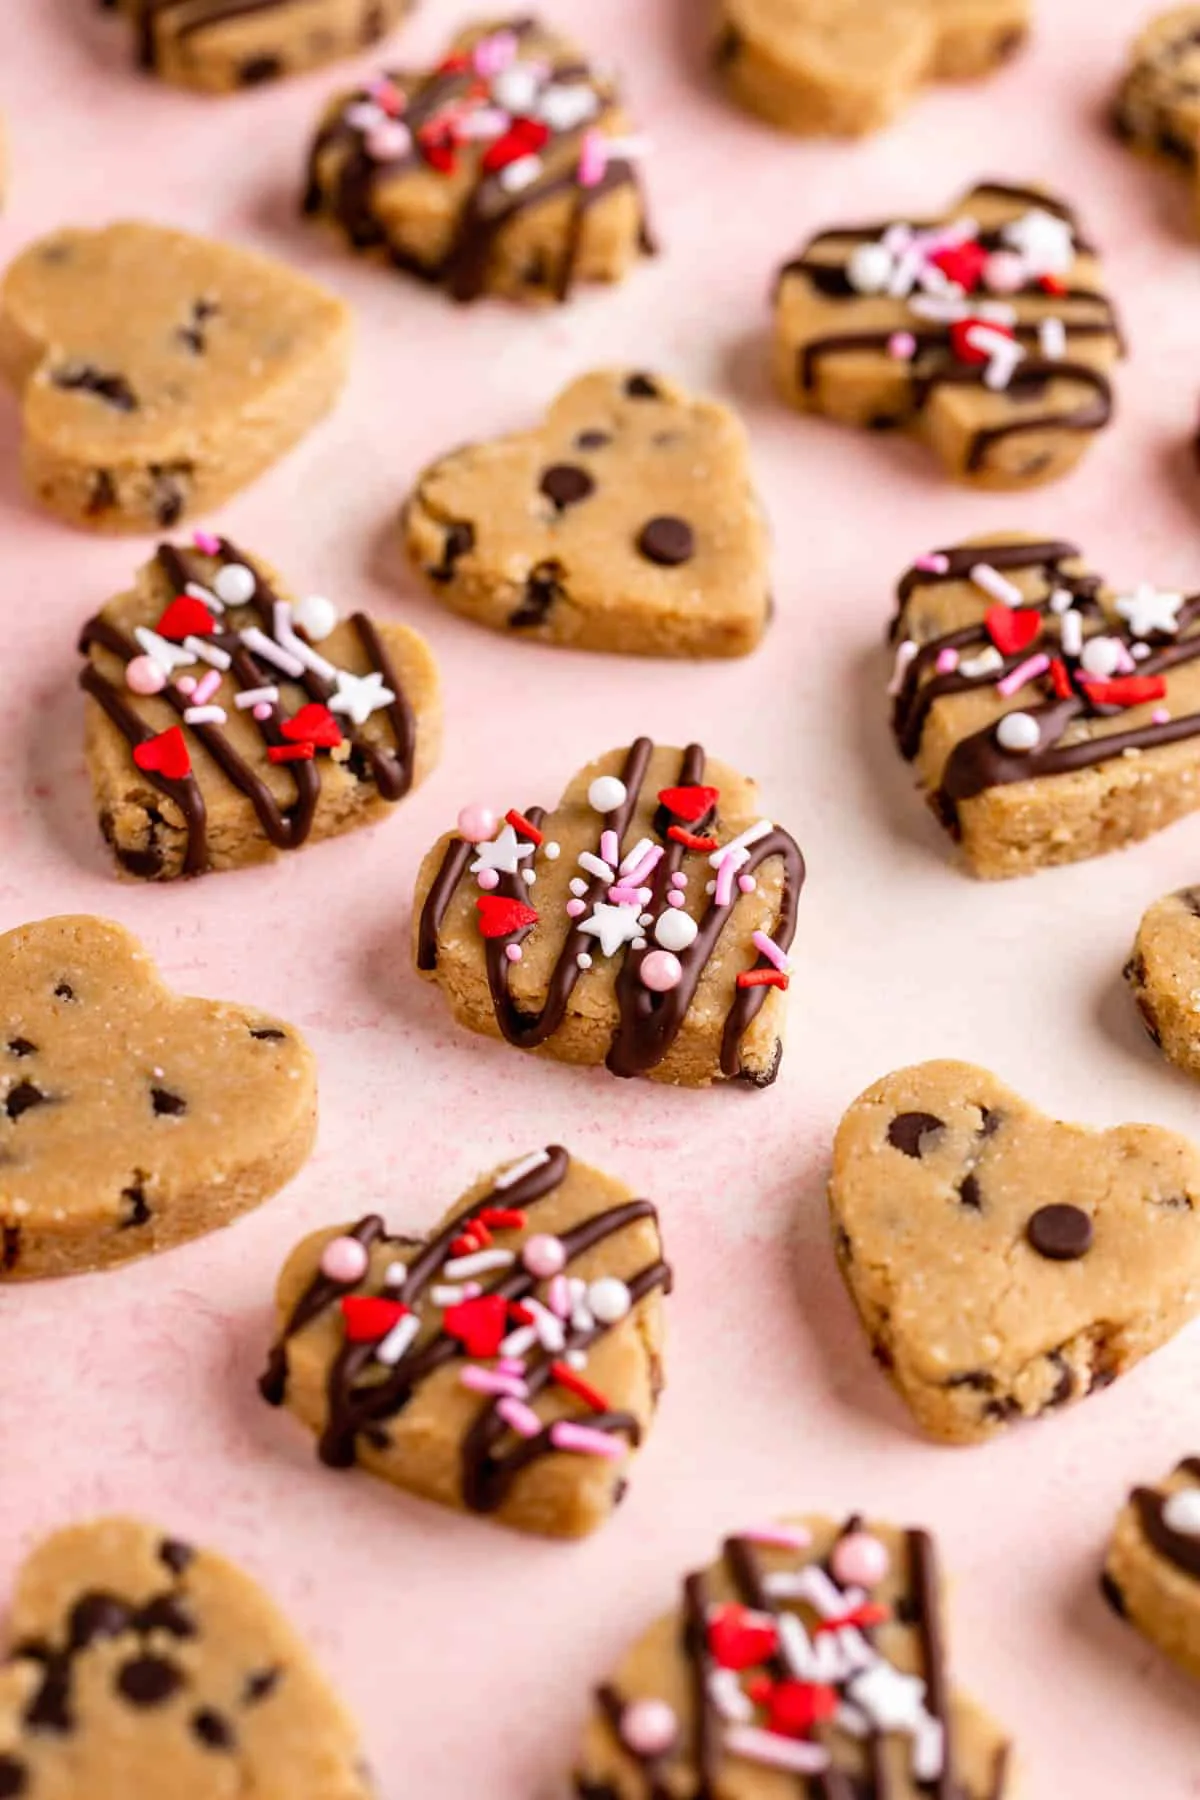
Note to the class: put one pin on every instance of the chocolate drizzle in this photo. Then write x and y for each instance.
(195, 17)
(1180, 1549)
(359, 1401)
(286, 826)
(648, 1022)
(349, 196)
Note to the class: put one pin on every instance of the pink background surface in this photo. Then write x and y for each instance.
(467, 1652)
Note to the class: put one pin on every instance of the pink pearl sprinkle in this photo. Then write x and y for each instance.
(649, 1727)
(344, 1259)
(860, 1560)
(143, 676)
(206, 543)
(513, 952)
(389, 141)
(747, 883)
(679, 879)
(262, 710)
(476, 824)
(660, 971)
(947, 662)
(575, 908)
(675, 898)
(934, 564)
(488, 878)
(544, 1256)
(1160, 715)
(186, 684)
(902, 345)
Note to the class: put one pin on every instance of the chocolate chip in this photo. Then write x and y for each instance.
(193, 335)
(21, 1046)
(167, 1614)
(22, 1098)
(907, 1609)
(167, 1104)
(592, 440)
(177, 1555)
(979, 1379)
(1191, 899)
(907, 1130)
(1111, 1593)
(642, 387)
(269, 1034)
(102, 496)
(64, 991)
(990, 1121)
(259, 69)
(969, 1192)
(460, 539)
(566, 484)
(10, 1247)
(1173, 1202)
(149, 1680)
(667, 541)
(727, 48)
(213, 1730)
(1060, 1233)
(137, 1211)
(97, 1616)
(260, 1684)
(1065, 1387)
(14, 1779)
(114, 390)
(168, 493)
(1000, 1411)
(543, 587)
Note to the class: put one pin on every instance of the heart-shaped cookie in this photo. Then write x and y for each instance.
(1164, 976)
(810, 1658)
(627, 521)
(849, 66)
(131, 1118)
(1004, 1264)
(508, 1364)
(1047, 716)
(142, 1667)
(227, 722)
(1157, 106)
(508, 168)
(659, 946)
(987, 334)
(218, 45)
(158, 372)
(1152, 1574)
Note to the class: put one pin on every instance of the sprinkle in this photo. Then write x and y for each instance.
(304, 653)
(610, 847)
(520, 1418)
(574, 1384)
(551, 851)
(518, 175)
(675, 898)
(743, 840)
(902, 345)
(1159, 716)
(796, 1754)
(521, 824)
(518, 1171)
(488, 879)
(729, 1697)
(1018, 732)
(1052, 339)
(689, 840)
(529, 877)
(986, 663)
(1071, 630)
(270, 651)
(575, 909)
(263, 711)
(585, 1440)
(169, 657)
(770, 949)
(518, 1343)
(255, 697)
(206, 543)
(447, 1295)
(630, 862)
(511, 1365)
(750, 978)
(286, 753)
(198, 591)
(344, 1259)
(205, 715)
(577, 887)
(558, 1297)
(548, 1327)
(679, 879)
(993, 583)
(727, 868)
(398, 1340)
(396, 1274)
(593, 159)
(583, 960)
(207, 686)
(935, 563)
(746, 884)
(1029, 670)
(904, 655)
(1061, 601)
(594, 866)
(490, 1381)
(780, 1537)
(620, 895)
(947, 661)
(460, 1267)
(503, 1218)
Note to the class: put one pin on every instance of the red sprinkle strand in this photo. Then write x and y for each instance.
(750, 978)
(1127, 690)
(503, 1218)
(566, 1377)
(1060, 679)
(1052, 284)
(689, 840)
(285, 753)
(521, 824)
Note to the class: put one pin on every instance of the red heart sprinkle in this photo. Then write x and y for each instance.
(1127, 690)
(166, 754)
(369, 1317)
(739, 1639)
(313, 724)
(524, 137)
(1011, 629)
(794, 1707)
(479, 1325)
(689, 803)
(962, 339)
(963, 263)
(499, 917)
(186, 617)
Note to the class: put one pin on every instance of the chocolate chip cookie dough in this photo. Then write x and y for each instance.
(143, 1666)
(1152, 1574)
(1003, 1264)
(1157, 106)
(158, 373)
(1048, 716)
(644, 924)
(219, 45)
(809, 1660)
(986, 334)
(509, 168)
(227, 721)
(131, 1118)
(1163, 973)
(627, 521)
(850, 66)
(509, 1364)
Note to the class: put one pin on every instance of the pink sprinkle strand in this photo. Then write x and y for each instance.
(510, 1365)
(610, 846)
(779, 1752)
(207, 686)
(490, 1381)
(781, 1537)
(593, 159)
(559, 1297)
(521, 1418)
(770, 949)
(640, 873)
(1032, 667)
(726, 870)
(623, 896)
(585, 1441)
(934, 564)
(902, 345)
(206, 543)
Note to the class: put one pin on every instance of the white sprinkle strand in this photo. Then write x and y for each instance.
(398, 1340)
(168, 656)
(304, 653)
(1072, 633)
(446, 1294)
(592, 863)
(537, 1160)
(209, 653)
(519, 1343)
(251, 697)
(986, 663)
(461, 1268)
(742, 841)
(994, 584)
(269, 650)
(1052, 338)
(904, 655)
(205, 715)
(198, 591)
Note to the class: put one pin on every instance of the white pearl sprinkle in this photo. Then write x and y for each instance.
(606, 794)
(1100, 656)
(608, 1299)
(870, 268)
(1018, 731)
(235, 584)
(529, 876)
(1181, 1512)
(583, 960)
(316, 617)
(675, 930)
(551, 851)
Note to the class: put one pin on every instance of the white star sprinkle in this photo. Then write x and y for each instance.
(360, 695)
(1045, 241)
(892, 1700)
(1147, 610)
(613, 926)
(503, 854)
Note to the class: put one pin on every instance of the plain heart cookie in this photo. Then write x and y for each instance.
(142, 1667)
(510, 168)
(508, 1364)
(850, 66)
(1048, 717)
(227, 721)
(987, 334)
(1152, 1572)
(627, 521)
(158, 372)
(1157, 106)
(132, 1118)
(1004, 1264)
(218, 45)
(1163, 973)
(644, 924)
(809, 1659)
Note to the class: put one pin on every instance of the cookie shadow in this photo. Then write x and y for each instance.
(887, 788)
(56, 782)
(97, 38)
(1119, 1650)
(1116, 1013)
(1182, 476)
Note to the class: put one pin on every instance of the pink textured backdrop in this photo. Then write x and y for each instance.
(467, 1652)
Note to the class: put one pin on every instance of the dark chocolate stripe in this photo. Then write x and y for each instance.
(1178, 1548)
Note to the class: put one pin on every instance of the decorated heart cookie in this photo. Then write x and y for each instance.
(158, 373)
(1157, 107)
(223, 44)
(508, 1364)
(507, 168)
(809, 1659)
(227, 721)
(142, 1667)
(987, 334)
(1164, 976)
(132, 1119)
(849, 66)
(627, 521)
(1152, 1575)
(644, 924)
(1004, 1264)
(1047, 716)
